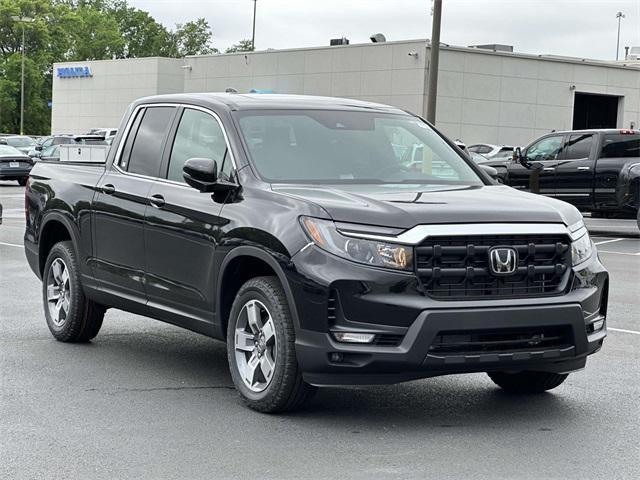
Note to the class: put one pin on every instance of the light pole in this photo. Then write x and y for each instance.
(22, 20)
(253, 34)
(435, 60)
(619, 16)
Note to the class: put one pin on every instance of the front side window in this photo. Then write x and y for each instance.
(336, 147)
(548, 148)
(199, 135)
(145, 154)
(579, 146)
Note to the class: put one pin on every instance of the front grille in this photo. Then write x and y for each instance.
(458, 267)
(484, 341)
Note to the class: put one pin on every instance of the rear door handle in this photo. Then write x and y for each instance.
(157, 200)
(108, 189)
(548, 169)
(584, 168)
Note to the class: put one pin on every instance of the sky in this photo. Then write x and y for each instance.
(579, 28)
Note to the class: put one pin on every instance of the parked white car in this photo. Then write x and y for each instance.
(491, 151)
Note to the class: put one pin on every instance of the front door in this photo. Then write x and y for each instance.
(183, 226)
(119, 207)
(544, 156)
(574, 173)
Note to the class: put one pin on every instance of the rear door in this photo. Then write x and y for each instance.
(545, 154)
(574, 173)
(616, 150)
(120, 205)
(183, 225)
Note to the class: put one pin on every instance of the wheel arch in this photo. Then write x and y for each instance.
(239, 266)
(55, 228)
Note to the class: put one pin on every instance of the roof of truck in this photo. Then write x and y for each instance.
(597, 130)
(246, 101)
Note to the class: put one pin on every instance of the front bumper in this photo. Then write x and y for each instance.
(386, 303)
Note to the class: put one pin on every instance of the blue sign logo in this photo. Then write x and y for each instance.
(74, 72)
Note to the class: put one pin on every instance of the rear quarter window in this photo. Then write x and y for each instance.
(618, 145)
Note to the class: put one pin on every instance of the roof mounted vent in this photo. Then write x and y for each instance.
(496, 47)
(334, 42)
(378, 38)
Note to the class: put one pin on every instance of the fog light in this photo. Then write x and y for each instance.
(597, 325)
(353, 337)
(336, 357)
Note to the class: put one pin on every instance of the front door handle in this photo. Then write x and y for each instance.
(157, 200)
(548, 169)
(108, 189)
(584, 168)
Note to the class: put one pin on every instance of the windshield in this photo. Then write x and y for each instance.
(8, 151)
(332, 147)
(20, 141)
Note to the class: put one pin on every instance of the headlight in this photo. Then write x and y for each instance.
(370, 252)
(581, 249)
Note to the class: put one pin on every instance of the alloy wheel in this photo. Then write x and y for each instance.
(58, 292)
(255, 346)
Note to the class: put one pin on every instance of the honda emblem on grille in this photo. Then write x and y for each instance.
(503, 260)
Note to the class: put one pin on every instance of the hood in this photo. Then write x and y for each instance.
(404, 206)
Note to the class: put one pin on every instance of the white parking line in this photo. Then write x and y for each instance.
(11, 245)
(621, 253)
(623, 330)
(609, 241)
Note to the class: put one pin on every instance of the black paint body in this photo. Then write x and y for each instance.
(181, 262)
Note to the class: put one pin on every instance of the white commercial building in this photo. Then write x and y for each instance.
(483, 95)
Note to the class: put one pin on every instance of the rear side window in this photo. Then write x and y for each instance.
(578, 146)
(480, 149)
(199, 135)
(143, 152)
(618, 145)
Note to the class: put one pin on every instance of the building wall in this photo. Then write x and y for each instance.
(383, 73)
(508, 99)
(80, 104)
(483, 96)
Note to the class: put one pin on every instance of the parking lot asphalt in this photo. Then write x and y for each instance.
(148, 400)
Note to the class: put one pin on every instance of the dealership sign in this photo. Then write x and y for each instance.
(74, 72)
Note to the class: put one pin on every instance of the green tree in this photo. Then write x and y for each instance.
(193, 38)
(241, 46)
(77, 30)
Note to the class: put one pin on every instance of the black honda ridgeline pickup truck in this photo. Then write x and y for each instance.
(327, 241)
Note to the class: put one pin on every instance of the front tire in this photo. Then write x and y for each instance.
(71, 317)
(22, 182)
(527, 382)
(261, 349)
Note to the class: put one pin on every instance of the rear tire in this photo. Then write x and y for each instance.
(527, 382)
(261, 338)
(71, 317)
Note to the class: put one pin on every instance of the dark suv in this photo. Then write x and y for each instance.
(327, 241)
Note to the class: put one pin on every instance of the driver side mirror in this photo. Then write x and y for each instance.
(38, 148)
(201, 173)
(517, 155)
(521, 158)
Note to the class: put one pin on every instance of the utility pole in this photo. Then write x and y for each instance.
(435, 60)
(22, 21)
(619, 16)
(253, 34)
